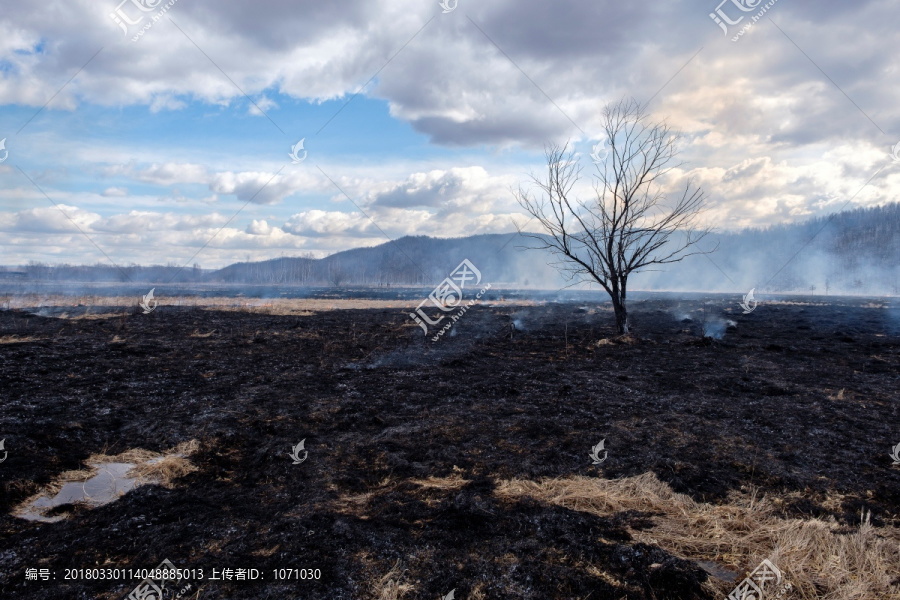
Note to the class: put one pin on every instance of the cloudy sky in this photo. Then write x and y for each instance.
(136, 136)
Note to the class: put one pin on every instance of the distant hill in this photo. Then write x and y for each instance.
(850, 252)
(411, 260)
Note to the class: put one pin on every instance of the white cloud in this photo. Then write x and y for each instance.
(469, 188)
(318, 223)
(259, 227)
(451, 82)
(263, 104)
(259, 188)
(768, 136)
(172, 173)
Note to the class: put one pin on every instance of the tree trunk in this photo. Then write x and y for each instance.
(621, 316)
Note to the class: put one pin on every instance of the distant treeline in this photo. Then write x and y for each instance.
(102, 273)
(412, 260)
(854, 251)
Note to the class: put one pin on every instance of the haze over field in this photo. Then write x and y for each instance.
(852, 252)
(419, 299)
(176, 148)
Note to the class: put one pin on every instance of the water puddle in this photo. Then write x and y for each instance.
(107, 485)
(717, 570)
(108, 480)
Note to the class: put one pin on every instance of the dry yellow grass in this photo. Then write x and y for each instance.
(266, 552)
(355, 505)
(358, 504)
(164, 471)
(15, 339)
(167, 467)
(298, 307)
(390, 587)
(196, 334)
(819, 558)
(838, 396)
(615, 341)
(134, 455)
(454, 481)
(151, 467)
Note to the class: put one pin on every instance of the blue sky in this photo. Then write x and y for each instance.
(150, 150)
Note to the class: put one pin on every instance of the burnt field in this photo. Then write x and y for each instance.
(461, 464)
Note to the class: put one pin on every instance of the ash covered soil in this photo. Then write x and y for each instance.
(799, 400)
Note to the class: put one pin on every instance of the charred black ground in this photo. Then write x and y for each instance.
(792, 398)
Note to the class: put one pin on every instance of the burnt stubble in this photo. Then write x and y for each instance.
(408, 439)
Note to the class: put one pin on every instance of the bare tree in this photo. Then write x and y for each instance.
(629, 223)
(336, 274)
(307, 260)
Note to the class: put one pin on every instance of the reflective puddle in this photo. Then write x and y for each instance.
(107, 485)
(107, 481)
(717, 570)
